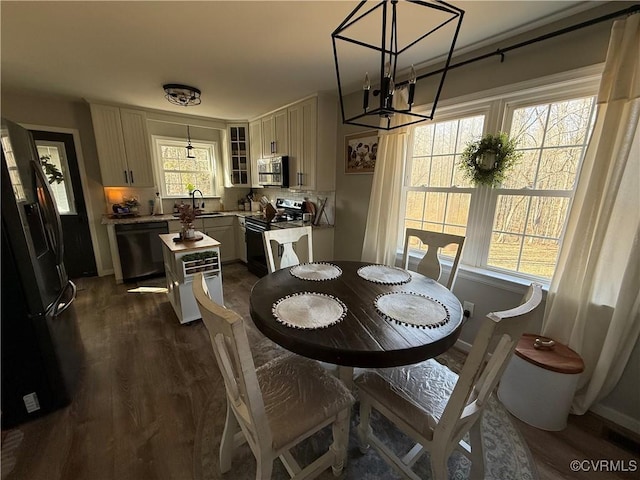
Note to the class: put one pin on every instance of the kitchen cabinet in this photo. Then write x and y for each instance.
(223, 230)
(312, 143)
(255, 149)
(181, 263)
(275, 129)
(122, 141)
(239, 155)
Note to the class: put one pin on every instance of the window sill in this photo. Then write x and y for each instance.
(504, 281)
(500, 280)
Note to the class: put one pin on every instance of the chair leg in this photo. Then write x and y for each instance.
(364, 428)
(226, 443)
(340, 429)
(439, 458)
(477, 454)
(264, 467)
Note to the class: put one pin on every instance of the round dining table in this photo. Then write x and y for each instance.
(365, 336)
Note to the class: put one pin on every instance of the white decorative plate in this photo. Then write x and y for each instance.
(384, 274)
(316, 271)
(412, 309)
(308, 310)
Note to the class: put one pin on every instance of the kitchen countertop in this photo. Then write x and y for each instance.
(107, 220)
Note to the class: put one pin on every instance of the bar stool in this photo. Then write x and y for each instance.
(539, 383)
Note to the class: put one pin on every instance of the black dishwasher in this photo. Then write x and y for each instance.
(140, 249)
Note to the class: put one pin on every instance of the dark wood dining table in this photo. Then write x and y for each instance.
(364, 337)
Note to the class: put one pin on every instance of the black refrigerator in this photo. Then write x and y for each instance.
(42, 352)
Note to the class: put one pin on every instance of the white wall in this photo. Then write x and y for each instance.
(565, 53)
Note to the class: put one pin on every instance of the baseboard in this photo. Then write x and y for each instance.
(616, 417)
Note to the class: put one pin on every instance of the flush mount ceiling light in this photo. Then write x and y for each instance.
(183, 95)
(189, 147)
(380, 41)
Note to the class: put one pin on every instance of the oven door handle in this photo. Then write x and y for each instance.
(253, 228)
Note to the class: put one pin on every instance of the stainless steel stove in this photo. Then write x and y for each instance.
(291, 216)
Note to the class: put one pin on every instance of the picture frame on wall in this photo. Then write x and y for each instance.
(361, 150)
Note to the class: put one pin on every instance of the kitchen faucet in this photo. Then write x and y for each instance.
(193, 198)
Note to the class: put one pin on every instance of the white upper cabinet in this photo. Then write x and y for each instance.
(275, 131)
(122, 141)
(312, 143)
(239, 155)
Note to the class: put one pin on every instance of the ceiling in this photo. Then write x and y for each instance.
(247, 57)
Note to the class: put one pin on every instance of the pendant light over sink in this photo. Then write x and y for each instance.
(189, 147)
(380, 41)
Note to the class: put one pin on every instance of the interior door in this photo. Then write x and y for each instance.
(59, 150)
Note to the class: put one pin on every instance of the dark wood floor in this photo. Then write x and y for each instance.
(144, 388)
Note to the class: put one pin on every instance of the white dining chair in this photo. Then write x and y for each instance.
(436, 407)
(285, 238)
(430, 264)
(276, 406)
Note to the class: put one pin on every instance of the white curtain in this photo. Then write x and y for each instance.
(383, 218)
(594, 297)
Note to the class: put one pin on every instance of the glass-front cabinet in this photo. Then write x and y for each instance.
(239, 155)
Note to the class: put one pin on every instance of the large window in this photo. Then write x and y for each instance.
(517, 228)
(438, 196)
(532, 205)
(176, 171)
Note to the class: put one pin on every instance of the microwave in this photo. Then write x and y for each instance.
(273, 172)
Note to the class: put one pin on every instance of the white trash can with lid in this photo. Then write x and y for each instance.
(539, 383)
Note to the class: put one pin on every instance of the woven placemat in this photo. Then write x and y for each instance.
(316, 271)
(384, 274)
(413, 309)
(309, 310)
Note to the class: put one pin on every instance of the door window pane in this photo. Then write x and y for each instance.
(53, 157)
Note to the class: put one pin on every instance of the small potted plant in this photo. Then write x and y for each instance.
(187, 217)
(486, 161)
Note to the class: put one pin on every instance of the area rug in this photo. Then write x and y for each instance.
(506, 453)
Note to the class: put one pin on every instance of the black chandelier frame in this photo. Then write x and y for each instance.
(389, 53)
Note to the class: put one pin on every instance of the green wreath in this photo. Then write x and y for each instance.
(486, 161)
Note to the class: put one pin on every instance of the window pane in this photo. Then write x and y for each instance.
(511, 214)
(539, 256)
(54, 154)
(526, 233)
(528, 126)
(420, 171)
(504, 251)
(558, 168)
(568, 122)
(415, 206)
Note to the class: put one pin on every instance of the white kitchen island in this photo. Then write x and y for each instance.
(182, 260)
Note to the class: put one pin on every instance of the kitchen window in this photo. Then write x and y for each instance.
(515, 229)
(176, 171)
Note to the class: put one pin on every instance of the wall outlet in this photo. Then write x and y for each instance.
(31, 402)
(468, 307)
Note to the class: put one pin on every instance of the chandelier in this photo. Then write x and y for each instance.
(182, 95)
(380, 42)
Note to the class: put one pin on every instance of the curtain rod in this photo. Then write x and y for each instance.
(501, 51)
